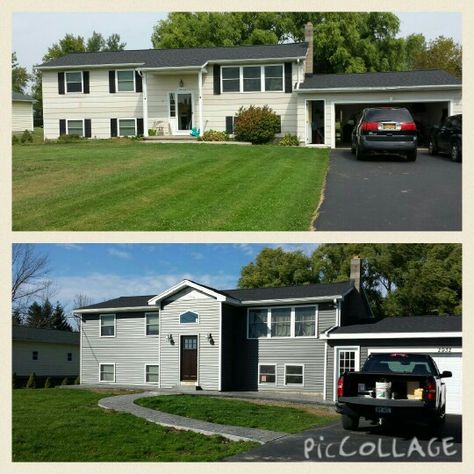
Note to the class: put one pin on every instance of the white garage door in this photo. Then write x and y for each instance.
(453, 363)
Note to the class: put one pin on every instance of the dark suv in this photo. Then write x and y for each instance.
(385, 130)
(447, 138)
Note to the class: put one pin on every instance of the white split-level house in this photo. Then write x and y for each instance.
(172, 91)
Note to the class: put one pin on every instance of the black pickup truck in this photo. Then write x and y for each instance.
(447, 138)
(408, 387)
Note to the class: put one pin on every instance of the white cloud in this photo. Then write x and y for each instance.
(248, 249)
(71, 246)
(115, 252)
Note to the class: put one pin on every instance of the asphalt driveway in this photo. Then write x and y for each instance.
(368, 444)
(390, 194)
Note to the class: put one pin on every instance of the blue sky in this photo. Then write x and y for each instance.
(103, 271)
(33, 33)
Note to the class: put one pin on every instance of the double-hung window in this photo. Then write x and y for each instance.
(258, 323)
(267, 374)
(294, 374)
(107, 325)
(107, 372)
(274, 78)
(280, 322)
(231, 79)
(152, 324)
(151, 373)
(127, 127)
(73, 81)
(125, 81)
(305, 321)
(252, 78)
(75, 127)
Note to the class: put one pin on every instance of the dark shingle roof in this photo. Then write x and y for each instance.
(430, 77)
(122, 302)
(53, 336)
(405, 324)
(181, 57)
(22, 97)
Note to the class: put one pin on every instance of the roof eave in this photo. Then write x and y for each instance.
(370, 89)
(395, 335)
(88, 66)
(308, 299)
(112, 309)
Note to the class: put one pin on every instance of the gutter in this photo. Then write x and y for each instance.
(390, 88)
(88, 66)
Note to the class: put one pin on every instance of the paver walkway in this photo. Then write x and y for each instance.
(125, 403)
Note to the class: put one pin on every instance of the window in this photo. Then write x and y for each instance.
(152, 324)
(231, 79)
(294, 374)
(188, 317)
(75, 127)
(151, 373)
(258, 323)
(252, 78)
(190, 343)
(125, 81)
(305, 321)
(107, 372)
(280, 322)
(69, 356)
(127, 127)
(172, 98)
(274, 78)
(107, 325)
(73, 81)
(35, 355)
(346, 361)
(267, 374)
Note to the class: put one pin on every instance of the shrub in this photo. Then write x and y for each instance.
(256, 124)
(48, 383)
(69, 138)
(14, 381)
(77, 381)
(15, 140)
(289, 140)
(31, 381)
(152, 132)
(213, 136)
(26, 137)
(65, 381)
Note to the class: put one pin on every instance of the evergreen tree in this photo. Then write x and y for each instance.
(48, 383)
(59, 320)
(31, 381)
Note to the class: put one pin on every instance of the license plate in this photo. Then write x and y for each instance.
(383, 410)
(389, 126)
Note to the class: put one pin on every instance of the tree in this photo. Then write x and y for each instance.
(440, 53)
(20, 76)
(59, 319)
(46, 316)
(16, 317)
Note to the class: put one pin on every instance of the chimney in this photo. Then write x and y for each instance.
(308, 37)
(356, 271)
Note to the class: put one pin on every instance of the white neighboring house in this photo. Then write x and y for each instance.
(47, 352)
(22, 112)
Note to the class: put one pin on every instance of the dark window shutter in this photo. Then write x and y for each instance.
(140, 126)
(62, 127)
(61, 82)
(229, 124)
(87, 128)
(113, 127)
(112, 82)
(85, 78)
(288, 78)
(279, 124)
(138, 82)
(217, 79)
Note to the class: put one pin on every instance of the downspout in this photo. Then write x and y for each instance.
(143, 75)
(201, 122)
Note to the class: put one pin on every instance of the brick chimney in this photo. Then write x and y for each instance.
(308, 37)
(356, 270)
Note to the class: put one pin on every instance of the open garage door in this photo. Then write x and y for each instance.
(426, 114)
(453, 363)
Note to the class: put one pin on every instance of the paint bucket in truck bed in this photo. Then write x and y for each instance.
(383, 389)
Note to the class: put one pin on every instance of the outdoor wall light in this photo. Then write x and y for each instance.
(169, 338)
(181, 83)
(210, 339)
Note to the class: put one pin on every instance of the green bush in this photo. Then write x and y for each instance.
(48, 383)
(65, 381)
(31, 381)
(26, 137)
(77, 381)
(69, 138)
(14, 381)
(213, 136)
(289, 140)
(256, 124)
(152, 132)
(15, 140)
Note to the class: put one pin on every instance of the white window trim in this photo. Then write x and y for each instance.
(262, 78)
(118, 126)
(173, 93)
(154, 313)
(188, 311)
(117, 81)
(292, 321)
(100, 324)
(302, 376)
(100, 372)
(267, 384)
(77, 120)
(148, 364)
(82, 82)
(356, 349)
(198, 338)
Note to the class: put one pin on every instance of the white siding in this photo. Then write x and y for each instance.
(22, 116)
(52, 359)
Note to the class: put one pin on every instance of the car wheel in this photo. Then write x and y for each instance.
(455, 153)
(358, 153)
(432, 148)
(411, 156)
(350, 422)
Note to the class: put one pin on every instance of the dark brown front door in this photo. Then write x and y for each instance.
(189, 358)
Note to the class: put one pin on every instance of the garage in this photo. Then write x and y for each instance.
(328, 104)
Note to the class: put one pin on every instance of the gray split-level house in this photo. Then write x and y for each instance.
(171, 91)
(297, 338)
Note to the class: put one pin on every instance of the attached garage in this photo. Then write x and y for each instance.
(328, 104)
(438, 336)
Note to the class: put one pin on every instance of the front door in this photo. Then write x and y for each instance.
(189, 350)
(185, 111)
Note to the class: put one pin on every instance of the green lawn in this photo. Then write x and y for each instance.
(127, 185)
(67, 425)
(238, 412)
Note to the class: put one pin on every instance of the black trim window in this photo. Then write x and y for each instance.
(126, 81)
(34, 355)
(127, 127)
(152, 324)
(231, 79)
(229, 124)
(252, 77)
(267, 374)
(73, 81)
(274, 78)
(69, 356)
(75, 127)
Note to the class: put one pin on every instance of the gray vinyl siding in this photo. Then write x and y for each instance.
(208, 354)
(52, 359)
(129, 350)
